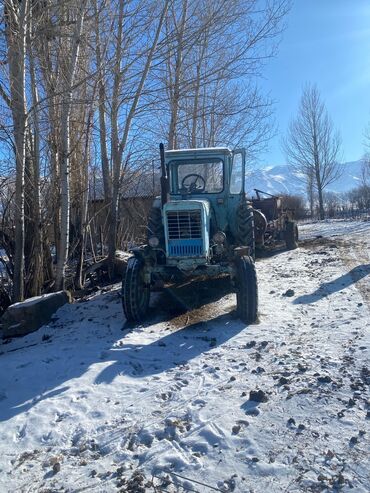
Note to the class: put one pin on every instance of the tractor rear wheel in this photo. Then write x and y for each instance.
(291, 235)
(245, 225)
(155, 227)
(246, 290)
(135, 293)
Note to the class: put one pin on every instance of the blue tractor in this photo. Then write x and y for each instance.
(201, 226)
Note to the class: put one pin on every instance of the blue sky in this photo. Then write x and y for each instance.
(327, 42)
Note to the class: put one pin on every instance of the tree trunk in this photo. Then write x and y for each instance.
(36, 280)
(107, 180)
(310, 193)
(65, 152)
(84, 201)
(117, 150)
(16, 41)
(195, 110)
(172, 132)
(321, 203)
(317, 168)
(116, 155)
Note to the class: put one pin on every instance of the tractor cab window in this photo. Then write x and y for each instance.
(197, 176)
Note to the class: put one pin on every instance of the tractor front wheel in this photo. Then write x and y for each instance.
(135, 293)
(246, 290)
(291, 235)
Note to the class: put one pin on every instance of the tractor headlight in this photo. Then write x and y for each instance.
(153, 241)
(219, 238)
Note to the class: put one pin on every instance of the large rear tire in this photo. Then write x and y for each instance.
(291, 235)
(135, 293)
(246, 290)
(245, 225)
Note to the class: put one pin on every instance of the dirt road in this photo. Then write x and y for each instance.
(198, 399)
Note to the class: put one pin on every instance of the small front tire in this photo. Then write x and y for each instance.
(135, 293)
(246, 290)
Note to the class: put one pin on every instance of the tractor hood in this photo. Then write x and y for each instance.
(187, 205)
(186, 224)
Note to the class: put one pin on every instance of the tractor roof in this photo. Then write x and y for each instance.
(206, 150)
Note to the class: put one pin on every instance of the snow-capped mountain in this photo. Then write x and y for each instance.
(281, 179)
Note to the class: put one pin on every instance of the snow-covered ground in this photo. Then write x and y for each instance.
(334, 228)
(89, 405)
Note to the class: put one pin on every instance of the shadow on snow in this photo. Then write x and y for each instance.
(331, 287)
(44, 371)
(173, 350)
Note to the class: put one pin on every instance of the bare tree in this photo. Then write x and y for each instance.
(68, 81)
(16, 35)
(359, 198)
(213, 56)
(332, 203)
(122, 125)
(101, 44)
(34, 245)
(312, 146)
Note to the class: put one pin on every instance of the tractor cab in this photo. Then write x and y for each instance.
(213, 177)
(214, 172)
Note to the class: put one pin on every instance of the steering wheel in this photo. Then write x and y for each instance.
(192, 186)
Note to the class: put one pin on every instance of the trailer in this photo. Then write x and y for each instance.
(273, 222)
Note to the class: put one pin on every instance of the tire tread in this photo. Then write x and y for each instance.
(247, 290)
(131, 291)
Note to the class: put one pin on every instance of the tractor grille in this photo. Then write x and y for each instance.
(184, 225)
(184, 233)
(185, 248)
